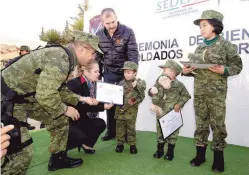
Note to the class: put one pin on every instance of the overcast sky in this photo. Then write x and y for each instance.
(21, 20)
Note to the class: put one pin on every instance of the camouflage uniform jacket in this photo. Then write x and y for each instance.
(53, 65)
(135, 94)
(222, 52)
(167, 98)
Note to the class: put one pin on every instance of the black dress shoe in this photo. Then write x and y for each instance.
(87, 151)
(107, 137)
(119, 148)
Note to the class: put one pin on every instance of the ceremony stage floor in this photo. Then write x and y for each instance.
(107, 162)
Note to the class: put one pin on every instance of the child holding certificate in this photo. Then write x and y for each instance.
(210, 87)
(168, 94)
(126, 115)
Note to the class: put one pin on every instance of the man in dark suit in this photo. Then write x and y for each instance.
(118, 43)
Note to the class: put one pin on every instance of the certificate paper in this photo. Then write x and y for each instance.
(170, 123)
(109, 93)
(196, 65)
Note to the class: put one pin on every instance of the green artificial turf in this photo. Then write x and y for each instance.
(107, 161)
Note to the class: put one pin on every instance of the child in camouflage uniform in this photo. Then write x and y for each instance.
(168, 94)
(126, 115)
(210, 87)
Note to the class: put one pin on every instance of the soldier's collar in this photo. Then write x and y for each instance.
(75, 59)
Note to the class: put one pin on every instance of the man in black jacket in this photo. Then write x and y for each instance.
(118, 43)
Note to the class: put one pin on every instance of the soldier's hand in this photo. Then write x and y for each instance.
(108, 106)
(187, 70)
(177, 107)
(72, 113)
(5, 139)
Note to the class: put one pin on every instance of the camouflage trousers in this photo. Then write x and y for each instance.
(19, 162)
(210, 112)
(126, 128)
(170, 140)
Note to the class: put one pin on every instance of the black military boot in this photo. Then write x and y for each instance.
(60, 160)
(170, 153)
(133, 149)
(160, 152)
(200, 157)
(119, 148)
(218, 164)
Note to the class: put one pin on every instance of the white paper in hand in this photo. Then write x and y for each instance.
(170, 123)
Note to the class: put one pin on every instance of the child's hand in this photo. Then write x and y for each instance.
(153, 90)
(156, 109)
(177, 108)
(132, 101)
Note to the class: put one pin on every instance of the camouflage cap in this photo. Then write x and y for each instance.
(209, 14)
(24, 47)
(172, 65)
(130, 65)
(88, 38)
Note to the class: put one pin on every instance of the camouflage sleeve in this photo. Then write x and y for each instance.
(184, 96)
(51, 78)
(234, 65)
(68, 96)
(141, 86)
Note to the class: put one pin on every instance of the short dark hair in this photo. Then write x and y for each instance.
(218, 25)
(107, 10)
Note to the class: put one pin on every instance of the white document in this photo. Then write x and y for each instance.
(170, 123)
(197, 65)
(109, 93)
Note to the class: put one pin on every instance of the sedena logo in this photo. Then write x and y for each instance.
(174, 8)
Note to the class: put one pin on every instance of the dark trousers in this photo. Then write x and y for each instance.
(110, 77)
(85, 132)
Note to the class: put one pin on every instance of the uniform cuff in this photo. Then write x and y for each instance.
(226, 73)
(63, 109)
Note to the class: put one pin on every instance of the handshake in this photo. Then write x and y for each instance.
(93, 102)
(74, 114)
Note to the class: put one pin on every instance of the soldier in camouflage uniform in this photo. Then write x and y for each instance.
(168, 94)
(126, 115)
(210, 87)
(44, 72)
(24, 50)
